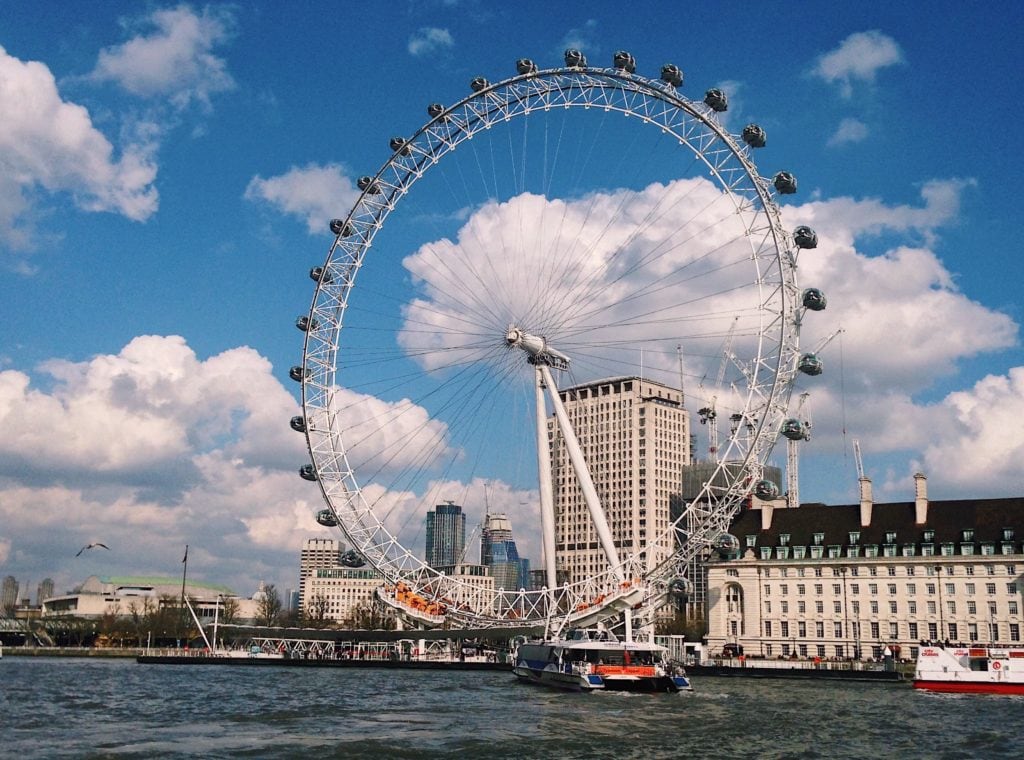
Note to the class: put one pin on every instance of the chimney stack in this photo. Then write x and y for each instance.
(866, 502)
(920, 498)
(766, 515)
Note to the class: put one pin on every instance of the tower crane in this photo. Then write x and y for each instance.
(708, 414)
(793, 454)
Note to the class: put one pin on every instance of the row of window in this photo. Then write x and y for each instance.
(927, 536)
(1012, 607)
(950, 631)
(834, 551)
(891, 570)
(910, 589)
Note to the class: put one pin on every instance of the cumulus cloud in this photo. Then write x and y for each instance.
(49, 145)
(430, 39)
(583, 38)
(858, 58)
(849, 131)
(174, 60)
(313, 193)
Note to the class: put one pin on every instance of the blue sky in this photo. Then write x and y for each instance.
(168, 172)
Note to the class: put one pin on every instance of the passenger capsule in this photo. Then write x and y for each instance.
(326, 518)
(785, 183)
(726, 544)
(340, 227)
(754, 136)
(526, 66)
(793, 429)
(625, 61)
(810, 364)
(766, 489)
(369, 185)
(805, 237)
(306, 324)
(575, 59)
(434, 110)
(298, 374)
(716, 100)
(814, 299)
(298, 424)
(351, 558)
(680, 587)
(672, 74)
(480, 83)
(399, 145)
(306, 472)
(319, 274)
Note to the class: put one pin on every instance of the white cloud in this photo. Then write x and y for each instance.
(430, 39)
(849, 131)
(313, 193)
(175, 60)
(858, 58)
(50, 145)
(583, 38)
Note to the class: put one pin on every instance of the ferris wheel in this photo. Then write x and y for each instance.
(547, 231)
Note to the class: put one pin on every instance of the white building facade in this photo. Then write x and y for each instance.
(634, 434)
(848, 581)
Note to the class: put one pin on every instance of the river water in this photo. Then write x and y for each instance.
(79, 708)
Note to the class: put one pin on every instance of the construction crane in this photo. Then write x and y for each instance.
(708, 414)
(794, 439)
(856, 458)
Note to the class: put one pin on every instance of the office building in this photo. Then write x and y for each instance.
(446, 535)
(317, 553)
(499, 554)
(635, 437)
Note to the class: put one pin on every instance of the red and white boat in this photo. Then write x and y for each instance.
(971, 670)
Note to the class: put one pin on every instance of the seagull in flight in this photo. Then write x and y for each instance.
(93, 545)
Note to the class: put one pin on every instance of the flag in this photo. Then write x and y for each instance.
(185, 558)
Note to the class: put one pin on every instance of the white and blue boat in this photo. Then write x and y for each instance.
(595, 661)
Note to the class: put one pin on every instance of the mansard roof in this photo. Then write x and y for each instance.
(988, 518)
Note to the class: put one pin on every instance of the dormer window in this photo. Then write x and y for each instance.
(854, 536)
(819, 538)
(1007, 534)
(890, 537)
(783, 539)
(968, 535)
(752, 540)
(928, 536)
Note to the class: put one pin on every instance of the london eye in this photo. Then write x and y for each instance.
(542, 232)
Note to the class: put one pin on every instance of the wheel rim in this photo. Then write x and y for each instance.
(715, 244)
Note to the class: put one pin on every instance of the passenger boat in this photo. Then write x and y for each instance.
(970, 670)
(594, 661)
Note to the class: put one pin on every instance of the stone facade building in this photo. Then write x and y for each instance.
(848, 581)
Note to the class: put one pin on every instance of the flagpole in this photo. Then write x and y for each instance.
(184, 573)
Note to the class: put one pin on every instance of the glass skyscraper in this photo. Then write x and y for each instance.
(446, 535)
(498, 552)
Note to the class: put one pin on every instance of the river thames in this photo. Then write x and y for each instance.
(83, 708)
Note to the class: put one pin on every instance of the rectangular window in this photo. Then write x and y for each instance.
(874, 607)
(837, 589)
(875, 633)
(767, 627)
(785, 628)
(837, 606)
(799, 552)
(931, 608)
(911, 589)
(992, 608)
(988, 549)
(930, 588)
(972, 608)
(837, 629)
(819, 629)
(839, 651)
(1011, 588)
(927, 550)
(947, 549)
(801, 607)
(854, 536)
(969, 588)
(1013, 608)
(873, 588)
(817, 589)
(950, 588)
(783, 539)
(1014, 632)
(894, 630)
(1011, 569)
(972, 631)
(819, 606)
(855, 606)
(820, 650)
(990, 588)
(951, 606)
(912, 608)
(910, 570)
(892, 589)
(800, 589)
(953, 632)
(752, 540)
(785, 608)
(854, 588)
(767, 608)
(784, 589)
(892, 608)
(801, 629)
(766, 552)
(767, 589)
(912, 631)
(933, 631)
(818, 538)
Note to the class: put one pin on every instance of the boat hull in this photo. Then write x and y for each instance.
(981, 669)
(970, 687)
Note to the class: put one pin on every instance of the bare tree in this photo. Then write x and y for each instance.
(366, 616)
(268, 610)
(229, 610)
(316, 612)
